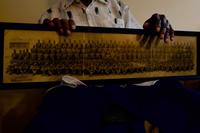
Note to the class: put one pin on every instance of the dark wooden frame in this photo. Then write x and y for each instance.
(37, 27)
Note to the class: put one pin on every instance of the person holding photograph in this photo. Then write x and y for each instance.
(74, 107)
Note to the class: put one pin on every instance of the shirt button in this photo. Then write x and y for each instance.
(115, 20)
(96, 10)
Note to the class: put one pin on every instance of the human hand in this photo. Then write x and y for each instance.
(159, 25)
(62, 26)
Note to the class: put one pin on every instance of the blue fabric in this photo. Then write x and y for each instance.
(167, 104)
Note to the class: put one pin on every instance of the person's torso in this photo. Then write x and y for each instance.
(100, 13)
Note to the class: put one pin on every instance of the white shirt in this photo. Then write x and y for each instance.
(100, 13)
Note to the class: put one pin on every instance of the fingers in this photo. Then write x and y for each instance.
(166, 32)
(65, 27)
(62, 26)
(72, 24)
(159, 24)
(171, 32)
(163, 28)
(59, 26)
(153, 23)
(48, 23)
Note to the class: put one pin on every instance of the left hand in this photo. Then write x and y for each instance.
(159, 24)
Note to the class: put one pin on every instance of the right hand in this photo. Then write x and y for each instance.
(160, 25)
(63, 26)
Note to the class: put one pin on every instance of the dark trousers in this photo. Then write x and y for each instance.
(167, 105)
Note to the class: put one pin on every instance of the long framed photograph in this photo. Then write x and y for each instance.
(31, 53)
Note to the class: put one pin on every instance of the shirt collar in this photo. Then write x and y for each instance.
(69, 2)
(103, 1)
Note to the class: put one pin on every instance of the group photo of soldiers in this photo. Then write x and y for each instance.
(100, 57)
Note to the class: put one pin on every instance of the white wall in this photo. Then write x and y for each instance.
(22, 11)
(183, 14)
